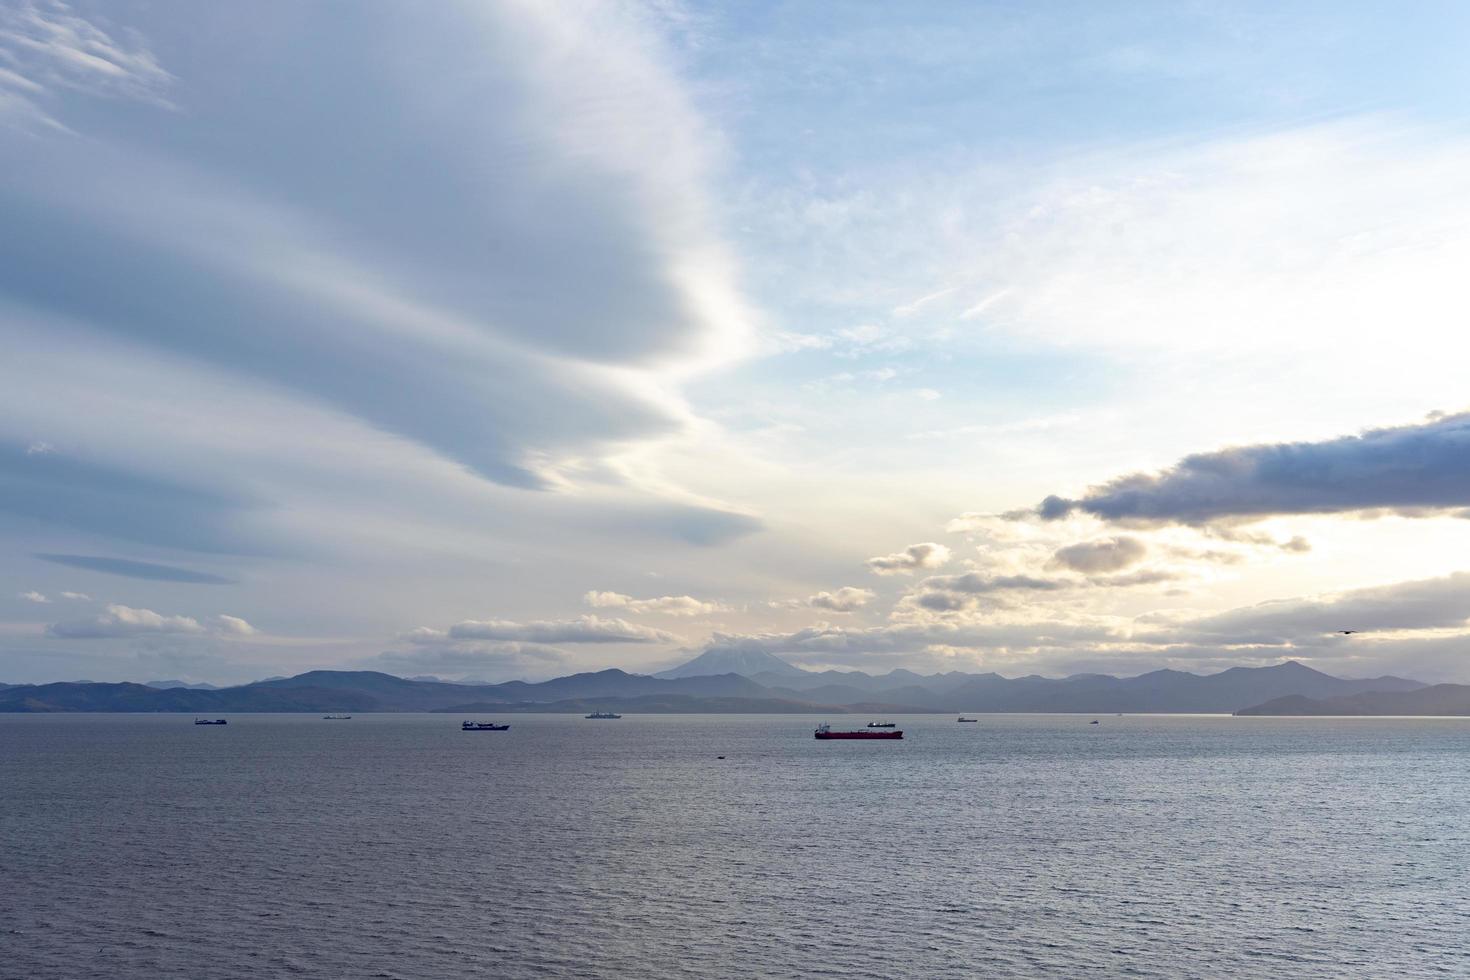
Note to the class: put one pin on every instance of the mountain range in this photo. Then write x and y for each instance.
(708, 684)
(1441, 699)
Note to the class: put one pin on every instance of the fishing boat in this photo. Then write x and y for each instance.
(603, 715)
(881, 724)
(963, 718)
(482, 726)
(824, 732)
(210, 721)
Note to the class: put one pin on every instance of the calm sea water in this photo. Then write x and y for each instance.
(398, 846)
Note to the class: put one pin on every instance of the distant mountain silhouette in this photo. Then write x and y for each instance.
(165, 685)
(747, 663)
(771, 690)
(1441, 699)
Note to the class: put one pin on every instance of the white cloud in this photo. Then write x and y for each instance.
(669, 605)
(985, 304)
(916, 556)
(583, 629)
(122, 621)
(50, 49)
(76, 596)
(478, 661)
(233, 625)
(32, 596)
(909, 309)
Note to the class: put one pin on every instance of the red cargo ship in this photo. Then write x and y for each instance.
(824, 730)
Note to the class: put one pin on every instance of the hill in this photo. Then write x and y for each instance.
(895, 692)
(1441, 699)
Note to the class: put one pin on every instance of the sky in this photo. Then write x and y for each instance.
(506, 340)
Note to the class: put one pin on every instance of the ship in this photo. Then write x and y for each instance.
(881, 724)
(482, 726)
(824, 731)
(336, 717)
(963, 718)
(603, 714)
(210, 721)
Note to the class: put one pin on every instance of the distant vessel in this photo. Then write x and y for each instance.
(603, 714)
(336, 717)
(824, 731)
(881, 724)
(482, 726)
(1093, 722)
(963, 718)
(210, 721)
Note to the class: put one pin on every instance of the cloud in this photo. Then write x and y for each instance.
(1104, 555)
(136, 569)
(985, 304)
(483, 661)
(117, 500)
(669, 605)
(233, 625)
(121, 621)
(48, 48)
(843, 600)
(1414, 470)
(124, 621)
(76, 596)
(916, 556)
(32, 596)
(975, 583)
(934, 643)
(583, 629)
(503, 327)
(1424, 604)
(952, 593)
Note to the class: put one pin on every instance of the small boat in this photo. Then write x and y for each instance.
(482, 726)
(336, 717)
(1093, 722)
(603, 714)
(210, 721)
(963, 718)
(824, 731)
(881, 724)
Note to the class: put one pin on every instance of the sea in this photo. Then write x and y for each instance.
(395, 845)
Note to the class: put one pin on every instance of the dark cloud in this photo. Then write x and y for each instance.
(843, 600)
(137, 569)
(1410, 469)
(973, 583)
(926, 554)
(1103, 555)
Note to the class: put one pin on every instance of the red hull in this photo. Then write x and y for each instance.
(827, 735)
